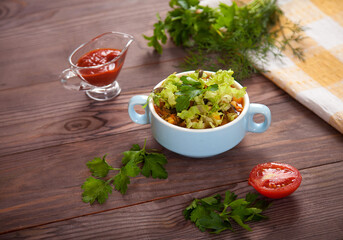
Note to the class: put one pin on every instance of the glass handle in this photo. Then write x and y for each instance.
(69, 75)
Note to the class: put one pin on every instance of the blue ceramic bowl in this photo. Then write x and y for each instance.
(199, 143)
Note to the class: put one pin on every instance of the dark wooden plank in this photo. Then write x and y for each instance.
(310, 213)
(47, 114)
(30, 121)
(47, 134)
(48, 180)
(37, 38)
(40, 121)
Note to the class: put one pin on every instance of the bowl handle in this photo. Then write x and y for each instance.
(136, 117)
(253, 126)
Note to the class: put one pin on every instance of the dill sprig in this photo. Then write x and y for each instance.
(228, 37)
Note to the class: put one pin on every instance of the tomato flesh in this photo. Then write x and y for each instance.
(275, 180)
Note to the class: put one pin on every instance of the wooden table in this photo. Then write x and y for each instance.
(48, 133)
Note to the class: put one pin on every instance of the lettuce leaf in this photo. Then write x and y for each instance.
(200, 102)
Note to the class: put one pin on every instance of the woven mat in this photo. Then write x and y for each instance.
(317, 82)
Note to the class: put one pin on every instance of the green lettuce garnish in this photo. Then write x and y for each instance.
(200, 101)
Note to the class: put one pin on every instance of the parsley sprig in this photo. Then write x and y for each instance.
(214, 215)
(135, 161)
(189, 89)
(228, 37)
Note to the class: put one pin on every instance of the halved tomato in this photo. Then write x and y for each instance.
(275, 180)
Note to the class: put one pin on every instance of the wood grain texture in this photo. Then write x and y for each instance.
(294, 217)
(30, 121)
(37, 38)
(49, 179)
(65, 133)
(46, 114)
(48, 133)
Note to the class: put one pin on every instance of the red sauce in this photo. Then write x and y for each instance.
(104, 75)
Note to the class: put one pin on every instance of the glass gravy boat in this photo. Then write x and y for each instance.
(97, 79)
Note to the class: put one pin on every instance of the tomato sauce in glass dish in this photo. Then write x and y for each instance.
(107, 70)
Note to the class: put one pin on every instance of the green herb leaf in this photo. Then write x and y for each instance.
(99, 167)
(188, 90)
(135, 161)
(135, 147)
(159, 35)
(135, 156)
(215, 216)
(131, 169)
(229, 198)
(154, 166)
(199, 212)
(95, 189)
(120, 182)
(190, 81)
(237, 203)
(251, 197)
(227, 37)
(212, 200)
(212, 88)
(186, 4)
(240, 222)
(182, 103)
(213, 222)
(187, 212)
